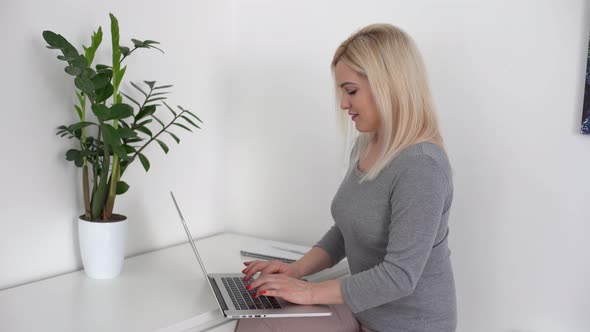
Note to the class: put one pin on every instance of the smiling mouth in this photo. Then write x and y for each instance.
(353, 116)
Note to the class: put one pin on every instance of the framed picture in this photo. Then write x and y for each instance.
(586, 107)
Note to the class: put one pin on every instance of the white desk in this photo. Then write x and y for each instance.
(163, 290)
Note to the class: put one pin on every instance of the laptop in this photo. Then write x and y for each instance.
(235, 301)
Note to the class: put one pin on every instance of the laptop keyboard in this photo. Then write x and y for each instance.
(243, 300)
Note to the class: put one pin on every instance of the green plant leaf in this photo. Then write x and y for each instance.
(100, 67)
(56, 41)
(190, 113)
(104, 93)
(120, 75)
(64, 58)
(163, 87)
(138, 88)
(130, 149)
(122, 187)
(74, 71)
(182, 126)
(159, 93)
(120, 111)
(80, 62)
(143, 123)
(163, 145)
(84, 84)
(120, 151)
(81, 98)
(134, 139)
(174, 137)
(111, 135)
(126, 133)
(101, 111)
(115, 44)
(137, 43)
(170, 108)
(144, 161)
(147, 110)
(145, 130)
(189, 121)
(150, 84)
(155, 99)
(101, 80)
(196, 117)
(160, 121)
(132, 100)
(79, 111)
(124, 50)
(95, 41)
(150, 44)
(75, 156)
(80, 125)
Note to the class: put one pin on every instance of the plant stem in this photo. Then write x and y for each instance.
(116, 100)
(85, 184)
(85, 188)
(99, 198)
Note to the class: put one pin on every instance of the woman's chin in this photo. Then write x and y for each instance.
(360, 127)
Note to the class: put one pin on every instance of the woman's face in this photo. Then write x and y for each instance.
(357, 98)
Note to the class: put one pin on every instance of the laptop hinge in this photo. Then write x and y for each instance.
(218, 294)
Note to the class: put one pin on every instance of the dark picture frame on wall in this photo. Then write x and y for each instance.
(585, 129)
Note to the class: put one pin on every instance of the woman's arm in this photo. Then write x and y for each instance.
(314, 261)
(326, 292)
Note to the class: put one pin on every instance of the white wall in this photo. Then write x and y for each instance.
(41, 197)
(507, 77)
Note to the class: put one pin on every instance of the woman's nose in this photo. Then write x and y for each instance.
(344, 103)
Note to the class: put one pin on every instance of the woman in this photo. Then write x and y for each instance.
(391, 210)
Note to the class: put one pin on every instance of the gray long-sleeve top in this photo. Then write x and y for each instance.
(393, 230)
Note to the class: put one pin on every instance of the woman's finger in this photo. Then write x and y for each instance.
(272, 267)
(253, 268)
(267, 281)
(269, 292)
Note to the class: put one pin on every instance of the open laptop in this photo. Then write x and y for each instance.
(236, 302)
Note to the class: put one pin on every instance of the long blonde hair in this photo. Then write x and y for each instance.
(390, 60)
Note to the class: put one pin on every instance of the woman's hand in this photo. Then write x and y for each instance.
(269, 267)
(281, 285)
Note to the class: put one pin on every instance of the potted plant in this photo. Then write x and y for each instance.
(111, 134)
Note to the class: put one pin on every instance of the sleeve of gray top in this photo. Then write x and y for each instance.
(333, 244)
(417, 202)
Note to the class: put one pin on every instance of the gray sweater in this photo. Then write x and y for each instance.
(393, 230)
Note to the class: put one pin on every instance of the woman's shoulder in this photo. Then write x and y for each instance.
(421, 156)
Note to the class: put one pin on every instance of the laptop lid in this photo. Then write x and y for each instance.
(192, 242)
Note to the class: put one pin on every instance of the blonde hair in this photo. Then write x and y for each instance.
(390, 60)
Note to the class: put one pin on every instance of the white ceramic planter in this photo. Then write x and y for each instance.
(102, 247)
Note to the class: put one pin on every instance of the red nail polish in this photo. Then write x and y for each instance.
(244, 271)
(248, 287)
(255, 295)
(263, 292)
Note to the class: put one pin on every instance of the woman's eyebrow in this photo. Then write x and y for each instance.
(346, 83)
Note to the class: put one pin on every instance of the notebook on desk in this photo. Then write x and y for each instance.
(289, 253)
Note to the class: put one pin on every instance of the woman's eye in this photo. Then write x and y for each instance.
(351, 92)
